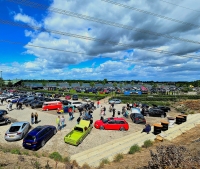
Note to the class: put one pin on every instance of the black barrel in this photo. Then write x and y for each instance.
(157, 129)
(179, 119)
(165, 125)
(184, 118)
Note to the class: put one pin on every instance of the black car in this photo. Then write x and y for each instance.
(137, 118)
(64, 102)
(164, 108)
(154, 112)
(38, 104)
(74, 97)
(3, 112)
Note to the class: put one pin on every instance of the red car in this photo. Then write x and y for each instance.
(68, 97)
(111, 123)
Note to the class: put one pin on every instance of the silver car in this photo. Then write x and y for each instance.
(17, 131)
(115, 101)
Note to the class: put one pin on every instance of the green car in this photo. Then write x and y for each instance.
(78, 134)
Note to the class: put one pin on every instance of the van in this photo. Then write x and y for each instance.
(54, 105)
(75, 103)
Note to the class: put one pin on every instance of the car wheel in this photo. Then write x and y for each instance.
(122, 129)
(147, 114)
(101, 128)
(162, 116)
(47, 109)
(54, 132)
(42, 143)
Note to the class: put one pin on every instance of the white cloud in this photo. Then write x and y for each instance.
(119, 62)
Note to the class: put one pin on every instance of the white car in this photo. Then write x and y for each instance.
(75, 103)
(13, 98)
(86, 99)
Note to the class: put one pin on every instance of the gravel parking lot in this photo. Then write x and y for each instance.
(56, 143)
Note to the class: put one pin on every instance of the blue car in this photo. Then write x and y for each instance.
(38, 137)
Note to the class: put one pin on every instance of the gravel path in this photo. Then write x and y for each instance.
(56, 143)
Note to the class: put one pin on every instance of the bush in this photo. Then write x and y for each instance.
(15, 151)
(85, 166)
(147, 143)
(66, 159)
(103, 162)
(118, 157)
(135, 148)
(56, 156)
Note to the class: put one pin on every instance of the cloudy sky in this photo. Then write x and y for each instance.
(129, 40)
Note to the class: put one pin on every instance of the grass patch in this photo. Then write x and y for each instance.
(135, 148)
(36, 154)
(56, 156)
(15, 151)
(103, 162)
(118, 157)
(148, 143)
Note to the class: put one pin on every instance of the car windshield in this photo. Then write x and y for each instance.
(14, 128)
(105, 120)
(29, 137)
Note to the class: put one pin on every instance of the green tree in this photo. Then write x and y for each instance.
(44, 83)
(81, 84)
(115, 84)
(10, 84)
(132, 83)
(57, 84)
(92, 84)
(104, 82)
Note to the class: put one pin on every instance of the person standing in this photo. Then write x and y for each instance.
(2, 101)
(36, 118)
(32, 118)
(58, 123)
(98, 103)
(79, 119)
(62, 120)
(104, 109)
(113, 112)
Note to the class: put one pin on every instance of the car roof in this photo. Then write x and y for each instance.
(116, 118)
(20, 123)
(38, 129)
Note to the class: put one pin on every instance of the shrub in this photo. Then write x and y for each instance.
(118, 157)
(66, 159)
(147, 143)
(56, 156)
(85, 166)
(135, 148)
(103, 162)
(15, 151)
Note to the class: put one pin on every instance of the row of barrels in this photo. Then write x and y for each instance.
(164, 125)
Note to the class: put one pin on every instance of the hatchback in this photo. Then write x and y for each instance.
(38, 137)
(17, 131)
(115, 123)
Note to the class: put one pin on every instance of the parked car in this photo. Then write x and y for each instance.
(4, 120)
(137, 118)
(154, 112)
(13, 98)
(3, 112)
(78, 133)
(38, 137)
(164, 108)
(75, 103)
(37, 104)
(68, 97)
(64, 102)
(74, 97)
(17, 131)
(86, 99)
(115, 101)
(112, 124)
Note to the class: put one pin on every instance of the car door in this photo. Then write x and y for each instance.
(111, 125)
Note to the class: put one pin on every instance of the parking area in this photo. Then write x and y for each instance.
(95, 138)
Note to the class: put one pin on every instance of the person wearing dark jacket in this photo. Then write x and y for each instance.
(147, 128)
(79, 119)
(113, 112)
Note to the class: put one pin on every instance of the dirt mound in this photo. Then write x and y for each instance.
(192, 104)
